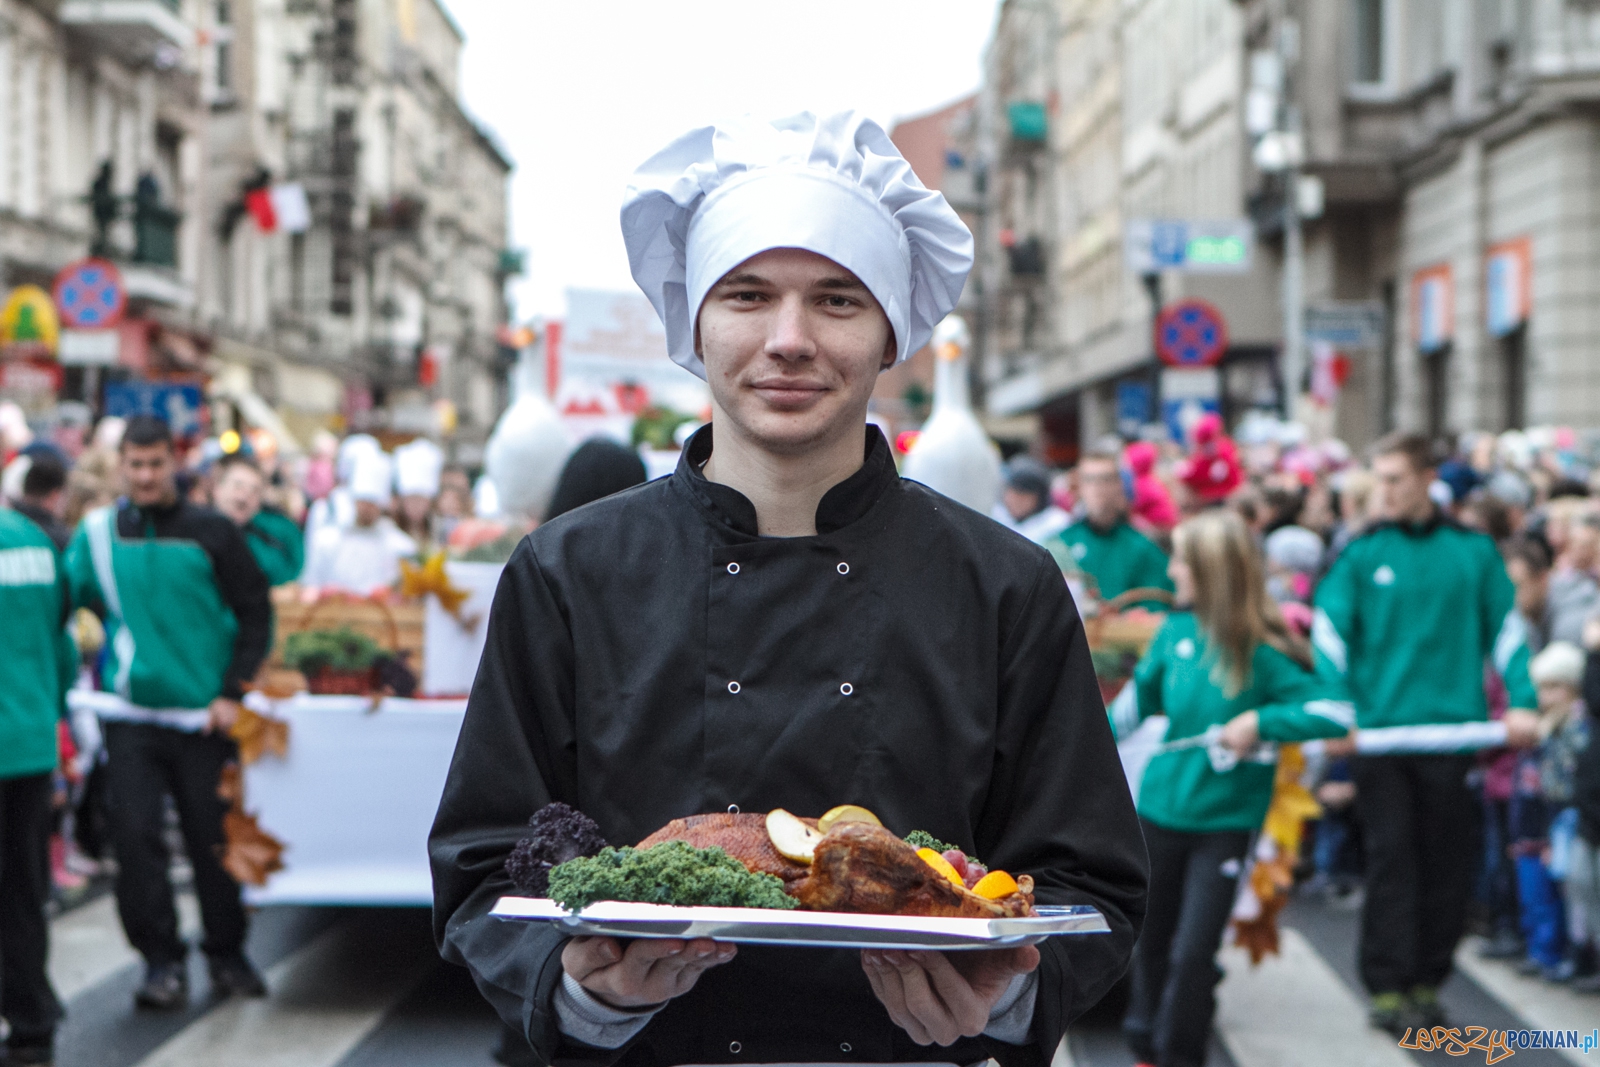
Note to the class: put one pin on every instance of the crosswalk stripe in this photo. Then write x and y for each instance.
(1293, 1009)
(87, 945)
(1541, 1005)
(326, 997)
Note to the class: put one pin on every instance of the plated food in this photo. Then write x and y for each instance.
(844, 861)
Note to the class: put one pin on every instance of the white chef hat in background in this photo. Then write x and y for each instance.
(417, 466)
(371, 474)
(834, 185)
(350, 451)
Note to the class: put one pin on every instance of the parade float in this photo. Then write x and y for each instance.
(345, 743)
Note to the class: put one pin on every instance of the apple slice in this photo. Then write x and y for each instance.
(846, 813)
(792, 838)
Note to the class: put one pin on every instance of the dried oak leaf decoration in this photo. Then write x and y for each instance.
(248, 853)
(251, 854)
(1271, 881)
(259, 734)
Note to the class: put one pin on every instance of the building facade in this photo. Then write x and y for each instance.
(101, 90)
(1453, 145)
(161, 133)
(385, 300)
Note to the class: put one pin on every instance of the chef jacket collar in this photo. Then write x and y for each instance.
(840, 506)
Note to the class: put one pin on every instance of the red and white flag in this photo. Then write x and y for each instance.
(279, 207)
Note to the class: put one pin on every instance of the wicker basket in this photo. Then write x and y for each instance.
(397, 627)
(1113, 629)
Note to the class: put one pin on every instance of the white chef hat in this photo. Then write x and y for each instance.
(417, 467)
(371, 475)
(350, 450)
(834, 185)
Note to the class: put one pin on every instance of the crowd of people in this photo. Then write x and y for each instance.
(135, 612)
(1421, 588)
(1315, 592)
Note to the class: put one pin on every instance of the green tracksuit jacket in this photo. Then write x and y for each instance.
(278, 546)
(1178, 678)
(188, 612)
(1118, 559)
(1406, 618)
(37, 658)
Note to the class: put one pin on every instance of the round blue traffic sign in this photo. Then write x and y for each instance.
(89, 295)
(1191, 333)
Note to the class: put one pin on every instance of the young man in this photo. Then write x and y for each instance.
(44, 496)
(1025, 505)
(273, 537)
(1408, 616)
(1103, 544)
(36, 668)
(784, 622)
(187, 618)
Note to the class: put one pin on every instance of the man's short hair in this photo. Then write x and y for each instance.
(142, 431)
(1532, 550)
(1417, 449)
(230, 460)
(45, 475)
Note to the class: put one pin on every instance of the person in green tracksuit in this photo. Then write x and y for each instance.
(275, 539)
(188, 615)
(1229, 675)
(36, 669)
(1406, 619)
(1103, 544)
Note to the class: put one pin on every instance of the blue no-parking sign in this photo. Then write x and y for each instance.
(89, 295)
(1191, 333)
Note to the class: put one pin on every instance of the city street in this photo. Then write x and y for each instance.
(364, 988)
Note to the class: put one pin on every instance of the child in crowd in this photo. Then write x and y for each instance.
(1544, 816)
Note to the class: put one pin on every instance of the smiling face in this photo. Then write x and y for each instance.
(792, 344)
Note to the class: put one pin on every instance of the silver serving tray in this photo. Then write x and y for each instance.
(817, 929)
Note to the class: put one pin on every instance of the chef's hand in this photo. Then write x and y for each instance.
(937, 998)
(224, 713)
(1242, 733)
(645, 973)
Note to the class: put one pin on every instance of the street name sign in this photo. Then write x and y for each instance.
(1198, 246)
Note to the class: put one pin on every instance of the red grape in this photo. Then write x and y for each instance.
(957, 859)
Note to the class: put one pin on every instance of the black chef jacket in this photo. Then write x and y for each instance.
(651, 656)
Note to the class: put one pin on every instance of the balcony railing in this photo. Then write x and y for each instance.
(155, 234)
(136, 30)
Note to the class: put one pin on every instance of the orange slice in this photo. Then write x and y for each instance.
(940, 864)
(995, 885)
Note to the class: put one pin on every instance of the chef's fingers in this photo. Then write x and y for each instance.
(582, 956)
(889, 990)
(990, 972)
(674, 974)
(922, 1001)
(967, 1008)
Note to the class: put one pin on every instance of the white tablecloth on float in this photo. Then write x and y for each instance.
(354, 799)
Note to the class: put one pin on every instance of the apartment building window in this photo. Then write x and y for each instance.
(223, 84)
(1368, 38)
(1436, 379)
(1386, 385)
(1514, 368)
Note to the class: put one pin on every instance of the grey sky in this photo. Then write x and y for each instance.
(581, 92)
